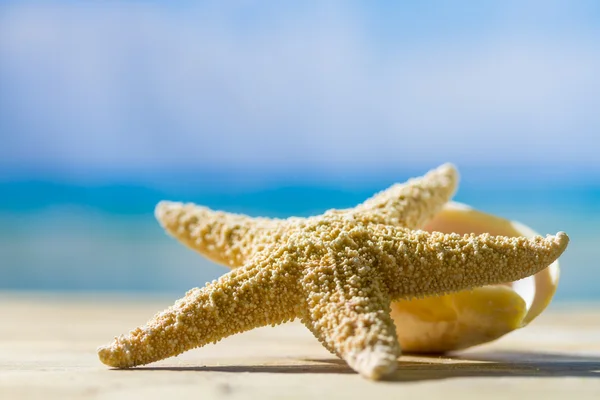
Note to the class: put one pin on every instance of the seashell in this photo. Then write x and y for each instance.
(468, 318)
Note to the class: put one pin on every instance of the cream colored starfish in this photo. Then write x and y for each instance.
(337, 272)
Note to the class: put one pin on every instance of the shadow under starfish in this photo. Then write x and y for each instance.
(493, 364)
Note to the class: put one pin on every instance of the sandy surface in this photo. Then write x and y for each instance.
(48, 342)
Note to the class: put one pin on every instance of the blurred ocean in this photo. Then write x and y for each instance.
(103, 236)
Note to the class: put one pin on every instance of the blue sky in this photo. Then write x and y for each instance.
(108, 88)
(283, 108)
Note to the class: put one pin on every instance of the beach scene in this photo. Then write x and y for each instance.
(278, 110)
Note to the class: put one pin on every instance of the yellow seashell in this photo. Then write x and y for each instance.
(460, 320)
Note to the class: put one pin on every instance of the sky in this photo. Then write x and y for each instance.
(283, 108)
(118, 88)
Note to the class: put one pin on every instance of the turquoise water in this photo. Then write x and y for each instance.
(104, 237)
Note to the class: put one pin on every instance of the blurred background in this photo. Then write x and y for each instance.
(279, 109)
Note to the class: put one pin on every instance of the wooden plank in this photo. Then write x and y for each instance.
(48, 342)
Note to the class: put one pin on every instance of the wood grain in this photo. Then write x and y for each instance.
(48, 342)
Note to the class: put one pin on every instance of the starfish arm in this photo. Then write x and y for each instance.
(224, 238)
(246, 298)
(352, 319)
(413, 203)
(418, 263)
(231, 239)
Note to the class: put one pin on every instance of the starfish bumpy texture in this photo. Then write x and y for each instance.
(337, 272)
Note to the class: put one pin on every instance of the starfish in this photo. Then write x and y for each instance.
(337, 273)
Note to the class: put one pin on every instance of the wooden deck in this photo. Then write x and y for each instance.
(48, 342)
